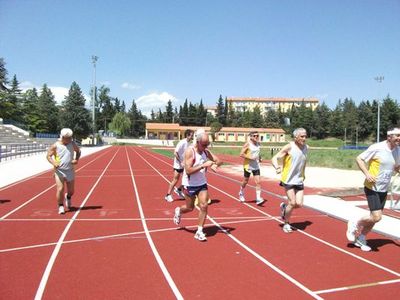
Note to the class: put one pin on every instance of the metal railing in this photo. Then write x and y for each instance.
(12, 151)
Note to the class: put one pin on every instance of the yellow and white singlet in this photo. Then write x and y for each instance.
(294, 164)
(254, 152)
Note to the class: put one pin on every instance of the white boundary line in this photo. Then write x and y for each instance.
(44, 191)
(104, 237)
(299, 230)
(163, 268)
(46, 274)
(351, 287)
(248, 249)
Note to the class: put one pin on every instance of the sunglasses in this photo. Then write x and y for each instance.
(205, 144)
(255, 135)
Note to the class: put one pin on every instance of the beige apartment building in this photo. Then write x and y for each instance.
(249, 103)
(168, 131)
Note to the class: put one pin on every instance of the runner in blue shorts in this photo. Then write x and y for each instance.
(197, 159)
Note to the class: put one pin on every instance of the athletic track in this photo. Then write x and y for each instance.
(119, 242)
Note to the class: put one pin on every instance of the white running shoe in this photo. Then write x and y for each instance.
(177, 216)
(68, 202)
(283, 211)
(200, 236)
(259, 201)
(61, 210)
(362, 243)
(241, 197)
(169, 198)
(351, 231)
(287, 228)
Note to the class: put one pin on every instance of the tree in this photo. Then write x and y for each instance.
(30, 111)
(106, 108)
(220, 113)
(74, 115)
(389, 116)
(184, 114)
(257, 120)
(120, 124)
(321, 121)
(48, 111)
(272, 119)
(3, 75)
(215, 128)
(366, 120)
(137, 120)
(169, 112)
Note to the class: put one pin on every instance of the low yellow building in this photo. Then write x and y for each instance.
(168, 131)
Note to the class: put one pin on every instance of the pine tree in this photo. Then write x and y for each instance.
(220, 113)
(30, 111)
(169, 112)
(48, 111)
(74, 114)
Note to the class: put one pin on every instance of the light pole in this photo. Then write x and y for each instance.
(379, 79)
(94, 60)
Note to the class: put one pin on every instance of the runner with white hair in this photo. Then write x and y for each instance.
(378, 163)
(61, 156)
(293, 157)
(197, 160)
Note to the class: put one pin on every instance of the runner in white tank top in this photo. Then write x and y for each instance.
(293, 156)
(251, 165)
(179, 154)
(61, 156)
(197, 160)
(378, 163)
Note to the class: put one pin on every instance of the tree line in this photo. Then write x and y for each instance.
(38, 112)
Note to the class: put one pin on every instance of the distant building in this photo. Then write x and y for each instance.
(168, 131)
(241, 104)
(212, 109)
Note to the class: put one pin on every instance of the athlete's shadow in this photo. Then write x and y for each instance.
(2, 201)
(300, 225)
(89, 207)
(375, 244)
(209, 231)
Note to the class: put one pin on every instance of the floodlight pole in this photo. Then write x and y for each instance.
(94, 60)
(379, 79)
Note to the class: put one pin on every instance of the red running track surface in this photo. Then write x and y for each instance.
(119, 241)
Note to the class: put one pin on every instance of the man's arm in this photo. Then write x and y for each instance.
(279, 156)
(361, 164)
(50, 154)
(244, 151)
(77, 153)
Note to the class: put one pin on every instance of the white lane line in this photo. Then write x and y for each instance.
(299, 230)
(41, 193)
(163, 268)
(46, 274)
(119, 235)
(357, 286)
(248, 249)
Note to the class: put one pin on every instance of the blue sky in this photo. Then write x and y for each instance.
(152, 51)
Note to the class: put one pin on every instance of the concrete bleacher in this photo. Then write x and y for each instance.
(16, 142)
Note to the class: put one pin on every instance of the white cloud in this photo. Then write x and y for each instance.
(130, 86)
(154, 101)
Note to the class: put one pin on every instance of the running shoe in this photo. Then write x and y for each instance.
(362, 243)
(68, 202)
(351, 231)
(177, 216)
(200, 236)
(169, 198)
(179, 192)
(61, 210)
(283, 211)
(259, 201)
(287, 228)
(241, 197)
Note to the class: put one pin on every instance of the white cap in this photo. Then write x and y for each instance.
(394, 131)
(66, 132)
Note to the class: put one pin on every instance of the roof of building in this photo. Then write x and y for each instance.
(175, 126)
(273, 99)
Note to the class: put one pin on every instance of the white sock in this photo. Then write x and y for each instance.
(258, 194)
(199, 228)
